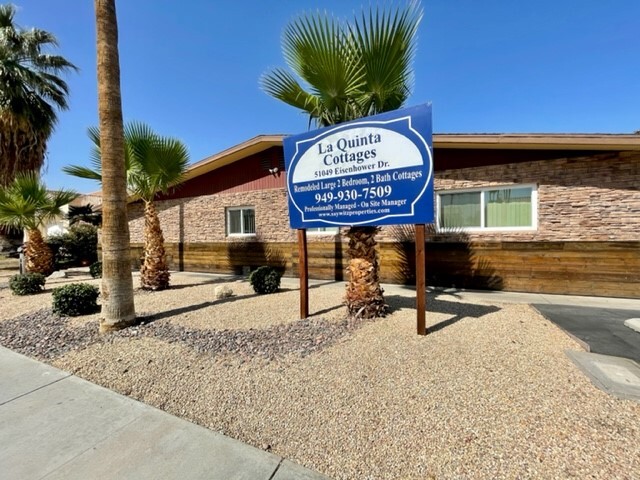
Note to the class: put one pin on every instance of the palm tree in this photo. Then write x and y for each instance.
(350, 70)
(30, 92)
(26, 204)
(153, 164)
(118, 309)
(84, 213)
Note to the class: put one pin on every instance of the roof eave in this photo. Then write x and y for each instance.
(604, 142)
(252, 146)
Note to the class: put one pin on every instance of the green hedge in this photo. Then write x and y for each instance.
(27, 283)
(75, 299)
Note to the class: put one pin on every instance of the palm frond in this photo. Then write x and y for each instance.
(95, 171)
(32, 92)
(84, 213)
(95, 158)
(60, 198)
(347, 70)
(26, 202)
(282, 85)
(82, 172)
(386, 41)
(318, 49)
(153, 163)
(157, 162)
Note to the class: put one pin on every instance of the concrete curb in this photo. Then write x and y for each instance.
(614, 375)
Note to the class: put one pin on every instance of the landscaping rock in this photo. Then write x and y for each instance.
(223, 291)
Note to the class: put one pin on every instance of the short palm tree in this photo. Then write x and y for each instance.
(27, 204)
(30, 92)
(350, 70)
(153, 164)
(84, 213)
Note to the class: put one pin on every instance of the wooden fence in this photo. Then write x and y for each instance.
(578, 268)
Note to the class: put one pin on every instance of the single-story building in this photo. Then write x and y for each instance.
(554, 213)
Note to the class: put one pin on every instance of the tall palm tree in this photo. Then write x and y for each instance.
(153, 163)
(26, 204)
(349, 70)
(118, 309)
(31, 90)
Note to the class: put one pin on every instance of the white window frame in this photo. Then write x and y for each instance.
(335, 230)
(482, 190)
(228, 220)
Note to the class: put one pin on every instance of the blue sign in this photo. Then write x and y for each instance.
(376, 170)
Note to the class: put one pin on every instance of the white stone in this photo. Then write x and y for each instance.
(223, 291)
(633, 324)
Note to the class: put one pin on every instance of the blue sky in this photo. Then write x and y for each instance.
(190, 69)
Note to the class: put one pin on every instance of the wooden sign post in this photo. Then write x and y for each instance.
(421, 280)
(303, 273)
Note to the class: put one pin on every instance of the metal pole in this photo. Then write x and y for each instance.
(21, 260)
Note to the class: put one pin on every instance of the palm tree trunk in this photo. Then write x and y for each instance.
(38, 254)
(118, 309)
(364, 295)
(154, 274)
(23, 147)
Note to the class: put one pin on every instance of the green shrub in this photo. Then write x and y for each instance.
(27, 283)
(96, 270)
(78, 246)
(75, 299)
(265, 280)
(56, 242)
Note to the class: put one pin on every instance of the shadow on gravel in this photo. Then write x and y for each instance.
(189, 308)
(327, 310)
(318, 285)
(205, 282)
(311, 286)
(457, 310)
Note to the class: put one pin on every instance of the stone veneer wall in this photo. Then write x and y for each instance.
(593, 198)
(203, 219)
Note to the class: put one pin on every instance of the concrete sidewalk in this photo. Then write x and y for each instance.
(478, 295)
(54, 425)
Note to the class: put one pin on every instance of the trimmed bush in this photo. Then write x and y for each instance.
(96, 270)
(265, 280)
(75, 299)
(27, 283)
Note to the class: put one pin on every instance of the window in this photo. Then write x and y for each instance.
(492, 208)
(241, 221)
(324, 230)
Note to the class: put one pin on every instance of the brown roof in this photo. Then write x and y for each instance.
(496, 141)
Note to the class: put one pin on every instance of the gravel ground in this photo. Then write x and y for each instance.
(489, 394)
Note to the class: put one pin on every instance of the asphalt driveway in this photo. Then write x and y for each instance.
(602, 329)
